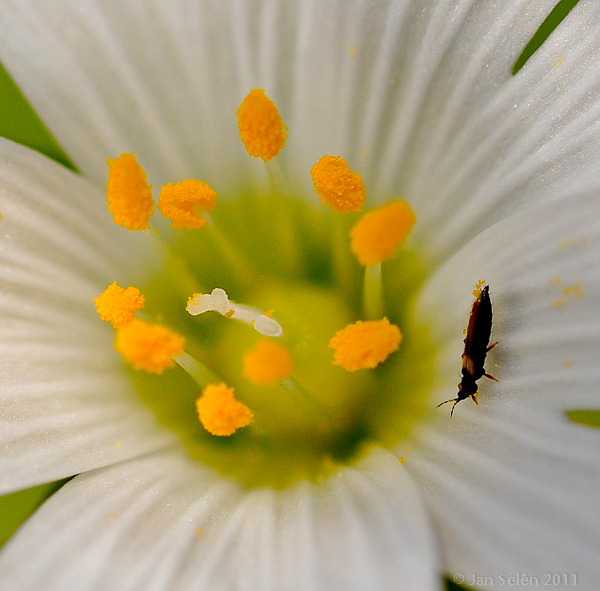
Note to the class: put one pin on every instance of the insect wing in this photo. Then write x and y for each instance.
(480, 328)
(467, 364)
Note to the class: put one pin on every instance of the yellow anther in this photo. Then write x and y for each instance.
(128, 194)
(261, 127)
(185, 202)
(337, 186)
(148, 346)
(118, 305)
(379, 232)
(219, 412)
(267, 363)
(365, 344)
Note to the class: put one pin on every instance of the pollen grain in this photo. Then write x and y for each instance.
(337, 186)
(185, 202)
(478, 288)
(267, 363)
(365, 344)
(219, 411)
(261, 127)
(150, 347)
(118, 305)
(375, 237)
(128, 193)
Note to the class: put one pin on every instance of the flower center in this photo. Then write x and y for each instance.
(327, 360)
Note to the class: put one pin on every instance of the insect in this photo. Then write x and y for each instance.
(476, 349)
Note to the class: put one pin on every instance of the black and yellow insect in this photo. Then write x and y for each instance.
(476, 348)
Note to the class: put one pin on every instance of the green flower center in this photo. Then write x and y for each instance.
(276, 252)
(276, 404)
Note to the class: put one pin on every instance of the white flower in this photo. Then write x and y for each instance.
(503, 174)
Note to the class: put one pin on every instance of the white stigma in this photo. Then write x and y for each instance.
(218, 301)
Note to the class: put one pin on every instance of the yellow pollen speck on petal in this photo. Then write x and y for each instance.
(150, 347)
(267, 363)
(219, 412)
(380, 231)
(184, 203)
(365, 344)
(337, 186)
(575, 290)
(118, 305)
(128, 193)
(261, 126)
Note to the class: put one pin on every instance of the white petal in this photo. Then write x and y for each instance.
(135, 526)
(417, 94)
(489, 141)
(159, 79)
(65, 403)
(513, 483)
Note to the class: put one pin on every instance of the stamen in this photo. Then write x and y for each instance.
(337, 186)
(219, 412)
(217, 300)
(379, 232)
(261, 127)
(118, 305)
(365, 344)
(373, 293)
(267, 363)
(128, 194)
(148, 346)
(185, 202)
(196, 370)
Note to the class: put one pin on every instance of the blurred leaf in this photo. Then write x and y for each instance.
(452, 586)
(17, 507)
(559, 12)
(590, 418)
(19, 123)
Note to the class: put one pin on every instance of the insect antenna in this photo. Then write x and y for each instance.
(455, 400)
